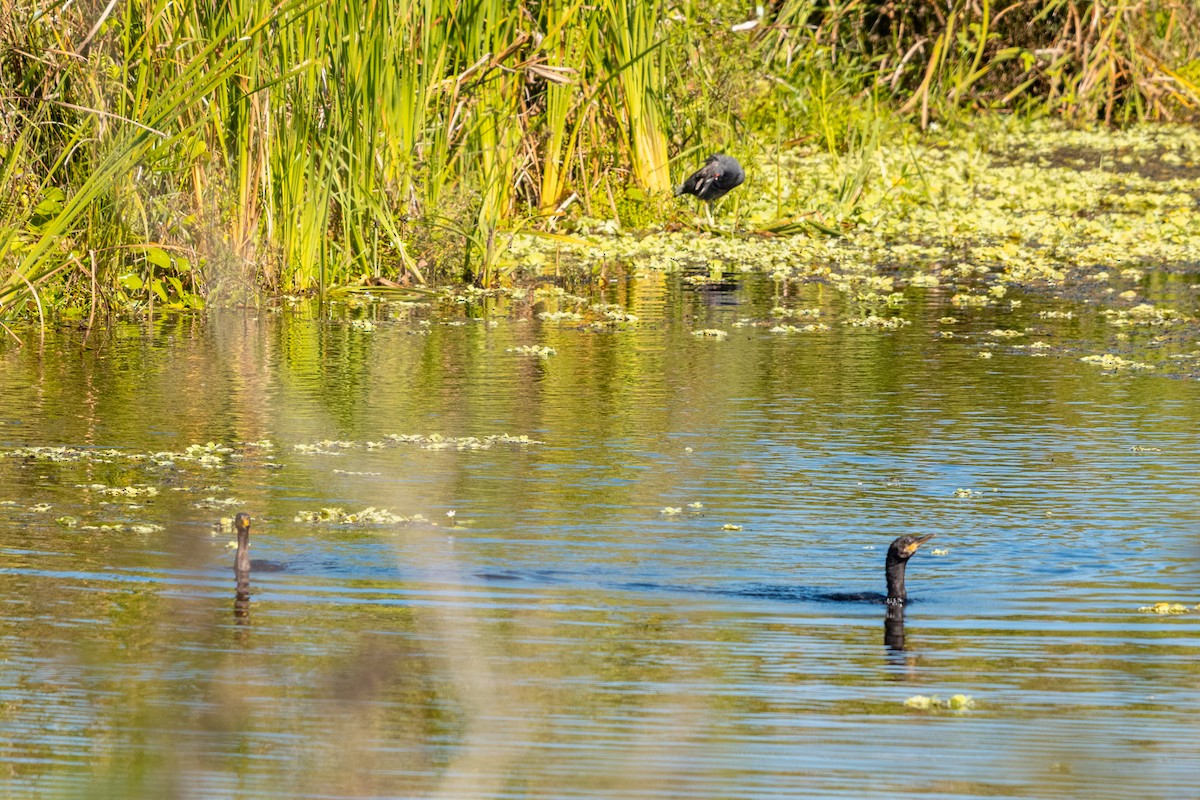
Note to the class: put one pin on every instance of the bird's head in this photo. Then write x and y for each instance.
(241, 523)
(903, 548)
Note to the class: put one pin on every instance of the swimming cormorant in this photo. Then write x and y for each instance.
(242, 562)
(898, 554)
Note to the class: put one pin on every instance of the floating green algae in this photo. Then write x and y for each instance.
(1114, 363)
(532, 350)
(425, 442)
(958, 702)
(367, 516)
(1168, 608)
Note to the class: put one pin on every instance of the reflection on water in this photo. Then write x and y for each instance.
(893, 629)
(633, 604)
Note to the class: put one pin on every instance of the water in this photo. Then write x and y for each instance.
(559, 636)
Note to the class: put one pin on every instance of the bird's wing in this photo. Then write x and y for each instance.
(706, 176)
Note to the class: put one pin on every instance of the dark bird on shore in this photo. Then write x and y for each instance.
(719, 175)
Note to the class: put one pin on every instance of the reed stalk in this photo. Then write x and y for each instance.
(636, 57)
(158, 150)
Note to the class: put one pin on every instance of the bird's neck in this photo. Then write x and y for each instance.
(242, 562)
(895, 582)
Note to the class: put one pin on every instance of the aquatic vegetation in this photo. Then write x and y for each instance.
(710, 333)
(64, 454)
(882, 323)
(203, 457)
(780, 311)
(73, 522)
(613, 313)
(214, 502)
(1143, 314)
(961, 701)
(815, 327)
(958, 702)
(433, 441)
(560, 316)
(438, 442)
(326, 447)
(1167, 608)
(939, 551)
(368, 516)
(140, 528)
(729, 526)
(551, 292)
(1113, 363)
(670, 511)
(532, 350)
(1005, 334)
(965, 300)
(120, 491)
(705, 280)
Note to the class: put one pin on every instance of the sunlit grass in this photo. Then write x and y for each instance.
(157, 155)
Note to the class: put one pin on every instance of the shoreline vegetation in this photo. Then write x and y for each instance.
(170, 156)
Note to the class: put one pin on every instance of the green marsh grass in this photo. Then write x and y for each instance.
(159, 154)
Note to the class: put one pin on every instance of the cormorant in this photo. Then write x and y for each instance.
(719, 175)
(898, 555)
(242, 562)
(241, 569)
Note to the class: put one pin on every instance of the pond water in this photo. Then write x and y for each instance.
(629, 602)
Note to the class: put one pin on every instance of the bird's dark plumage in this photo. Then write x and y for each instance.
(241, 561)
(719, 175)
(898, 555)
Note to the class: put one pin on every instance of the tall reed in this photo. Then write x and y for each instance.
(635, 45)
(1085, 60)
(153, 153)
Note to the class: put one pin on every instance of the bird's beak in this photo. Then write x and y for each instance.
(920, 540)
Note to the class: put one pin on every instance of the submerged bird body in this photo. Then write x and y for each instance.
(719, 175)
(900, 551)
